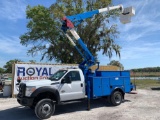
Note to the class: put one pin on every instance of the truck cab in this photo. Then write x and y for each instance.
(69, 83)
(64, 85)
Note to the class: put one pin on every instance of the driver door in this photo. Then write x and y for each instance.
(73, 90)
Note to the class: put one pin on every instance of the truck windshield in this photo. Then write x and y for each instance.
(58, 75)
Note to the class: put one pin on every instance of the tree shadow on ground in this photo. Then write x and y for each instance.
(80, 106)
(25, 113)
(83, 106)
(155, 88)
(126, 101)
(18, 113)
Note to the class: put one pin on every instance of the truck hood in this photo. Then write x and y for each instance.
(38, 82)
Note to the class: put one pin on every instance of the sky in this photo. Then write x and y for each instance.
(140, 39)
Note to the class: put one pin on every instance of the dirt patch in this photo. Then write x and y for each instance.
(142, 106)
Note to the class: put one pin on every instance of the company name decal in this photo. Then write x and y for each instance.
(27, 72)
(33, 73)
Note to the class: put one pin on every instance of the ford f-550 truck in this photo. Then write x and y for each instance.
(77, 83)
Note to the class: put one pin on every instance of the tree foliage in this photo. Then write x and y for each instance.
(1, 70)
(116, 63)
(32, 61)
(44, 28)
(147, 69)
(8, 66)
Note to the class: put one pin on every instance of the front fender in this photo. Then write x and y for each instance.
(46, 89)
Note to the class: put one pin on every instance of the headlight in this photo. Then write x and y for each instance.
(30, 90)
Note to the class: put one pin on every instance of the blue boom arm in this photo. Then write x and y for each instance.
(69, 22)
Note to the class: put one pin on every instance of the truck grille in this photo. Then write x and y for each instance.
(22, 89)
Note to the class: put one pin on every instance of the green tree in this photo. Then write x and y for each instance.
(8, 66)
(32, 61)
(1, 70)
(44, 28)
(116, 63)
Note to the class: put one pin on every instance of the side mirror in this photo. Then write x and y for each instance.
(63, 81)
(18, 81)
(66, 80)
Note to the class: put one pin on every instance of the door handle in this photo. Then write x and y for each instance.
(62, 91)
(81, 84)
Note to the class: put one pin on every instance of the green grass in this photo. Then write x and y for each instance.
(147, 84)
(145, 74)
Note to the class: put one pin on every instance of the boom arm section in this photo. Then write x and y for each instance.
(74, 20)
(69, 22)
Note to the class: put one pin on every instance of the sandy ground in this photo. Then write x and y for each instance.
(142, 106)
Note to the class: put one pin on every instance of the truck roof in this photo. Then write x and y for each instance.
(70, 68)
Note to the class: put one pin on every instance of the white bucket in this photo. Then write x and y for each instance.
(7, 82)
(7, 90)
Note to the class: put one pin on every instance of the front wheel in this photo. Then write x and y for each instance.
(116, 98)
(44, 108)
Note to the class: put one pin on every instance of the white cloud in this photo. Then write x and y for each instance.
(10, 45)
(140, 38)
(12, 9)
(137, 39)
(146, 21)
(140, 50)
(12, 49)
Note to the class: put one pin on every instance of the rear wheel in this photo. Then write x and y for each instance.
(116, 98)
(44, 108)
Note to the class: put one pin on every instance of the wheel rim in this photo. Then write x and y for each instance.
(117, 98)
(45, 109)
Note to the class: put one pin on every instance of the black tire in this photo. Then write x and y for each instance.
(116, 98)
(44, 108)
(19, 102)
